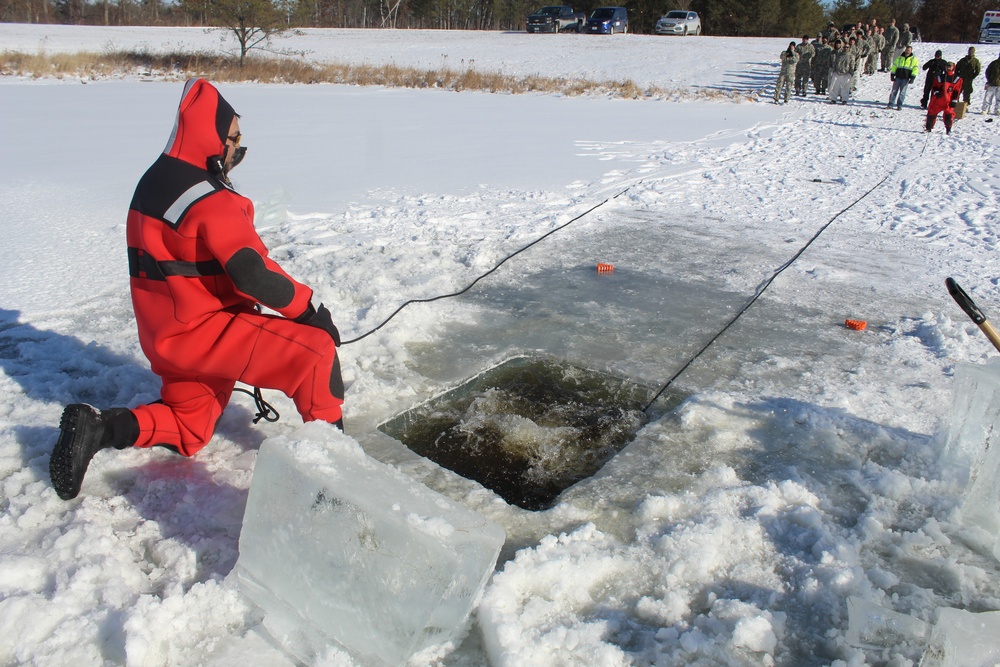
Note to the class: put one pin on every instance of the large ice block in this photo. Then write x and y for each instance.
(972, 420)
(972, 448)
(872, 626)
(343, 552)
(964, 639)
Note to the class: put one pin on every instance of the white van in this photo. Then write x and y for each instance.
(989, 29)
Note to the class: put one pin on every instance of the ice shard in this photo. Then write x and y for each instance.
(964, 639)
(872, 626)
(972, 448)
(342, 552)
(972, 419)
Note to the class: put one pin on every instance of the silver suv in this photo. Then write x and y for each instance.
(679, 22)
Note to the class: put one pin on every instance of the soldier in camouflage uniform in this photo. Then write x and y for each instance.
(841, 68)
(789, 59)
(806, 53)
(879, 38)
(905, 39)
(821, 66)
(888, 52)
(968, 68)
(859, 49)
(870, 61)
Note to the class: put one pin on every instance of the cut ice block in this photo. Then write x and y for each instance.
(972, 447)
(872, 626)
(341, 551)
(974, 416)
(964, 639)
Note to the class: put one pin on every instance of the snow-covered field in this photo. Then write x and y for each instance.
(803, 469)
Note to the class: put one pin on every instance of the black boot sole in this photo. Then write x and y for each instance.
(79, 439)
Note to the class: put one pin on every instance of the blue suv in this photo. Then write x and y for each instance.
(607, 21)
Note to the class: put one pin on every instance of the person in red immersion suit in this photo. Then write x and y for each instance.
(945, 89)
(199, 274)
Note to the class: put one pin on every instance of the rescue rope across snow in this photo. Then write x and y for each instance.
(268, 413)
(767, 283)
(498, 265)
(503, 261)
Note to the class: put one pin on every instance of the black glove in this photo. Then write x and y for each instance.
(321, 319)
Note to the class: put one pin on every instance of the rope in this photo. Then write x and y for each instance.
(499, 264)
(265, 410)
(767, 283)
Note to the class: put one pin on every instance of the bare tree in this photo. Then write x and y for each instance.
(253, 22)
(390, 12)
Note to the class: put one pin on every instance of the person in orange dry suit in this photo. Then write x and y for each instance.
(945, 90)
(199, 274)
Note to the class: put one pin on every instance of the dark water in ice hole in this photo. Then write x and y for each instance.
(532, 427)
(535, 425)
(528, 428)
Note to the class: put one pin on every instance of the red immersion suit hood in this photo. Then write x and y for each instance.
(202, 125)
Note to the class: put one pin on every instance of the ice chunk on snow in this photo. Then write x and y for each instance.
(338, 549)
(755, 634)
(972, 447)
(872, 626)
(975, 411)
(964, 639)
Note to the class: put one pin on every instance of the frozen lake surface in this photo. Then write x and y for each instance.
(804, 469)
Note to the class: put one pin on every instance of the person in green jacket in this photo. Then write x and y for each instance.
(903, 72)
(968, 68)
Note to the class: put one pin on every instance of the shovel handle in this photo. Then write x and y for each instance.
(972, 310)
(964, 301)
(991, 333)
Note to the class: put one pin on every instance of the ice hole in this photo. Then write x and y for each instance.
(529, 428)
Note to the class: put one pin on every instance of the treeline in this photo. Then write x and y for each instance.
(938, 20)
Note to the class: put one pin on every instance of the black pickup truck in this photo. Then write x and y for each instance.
(556, 19)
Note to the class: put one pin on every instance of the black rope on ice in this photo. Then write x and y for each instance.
(265, 410)
(767, 283)
(499, 264)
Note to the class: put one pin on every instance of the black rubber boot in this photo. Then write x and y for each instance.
(930, 122)
(84, 431)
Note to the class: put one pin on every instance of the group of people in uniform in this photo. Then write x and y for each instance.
(833, 61)
(834, 58)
